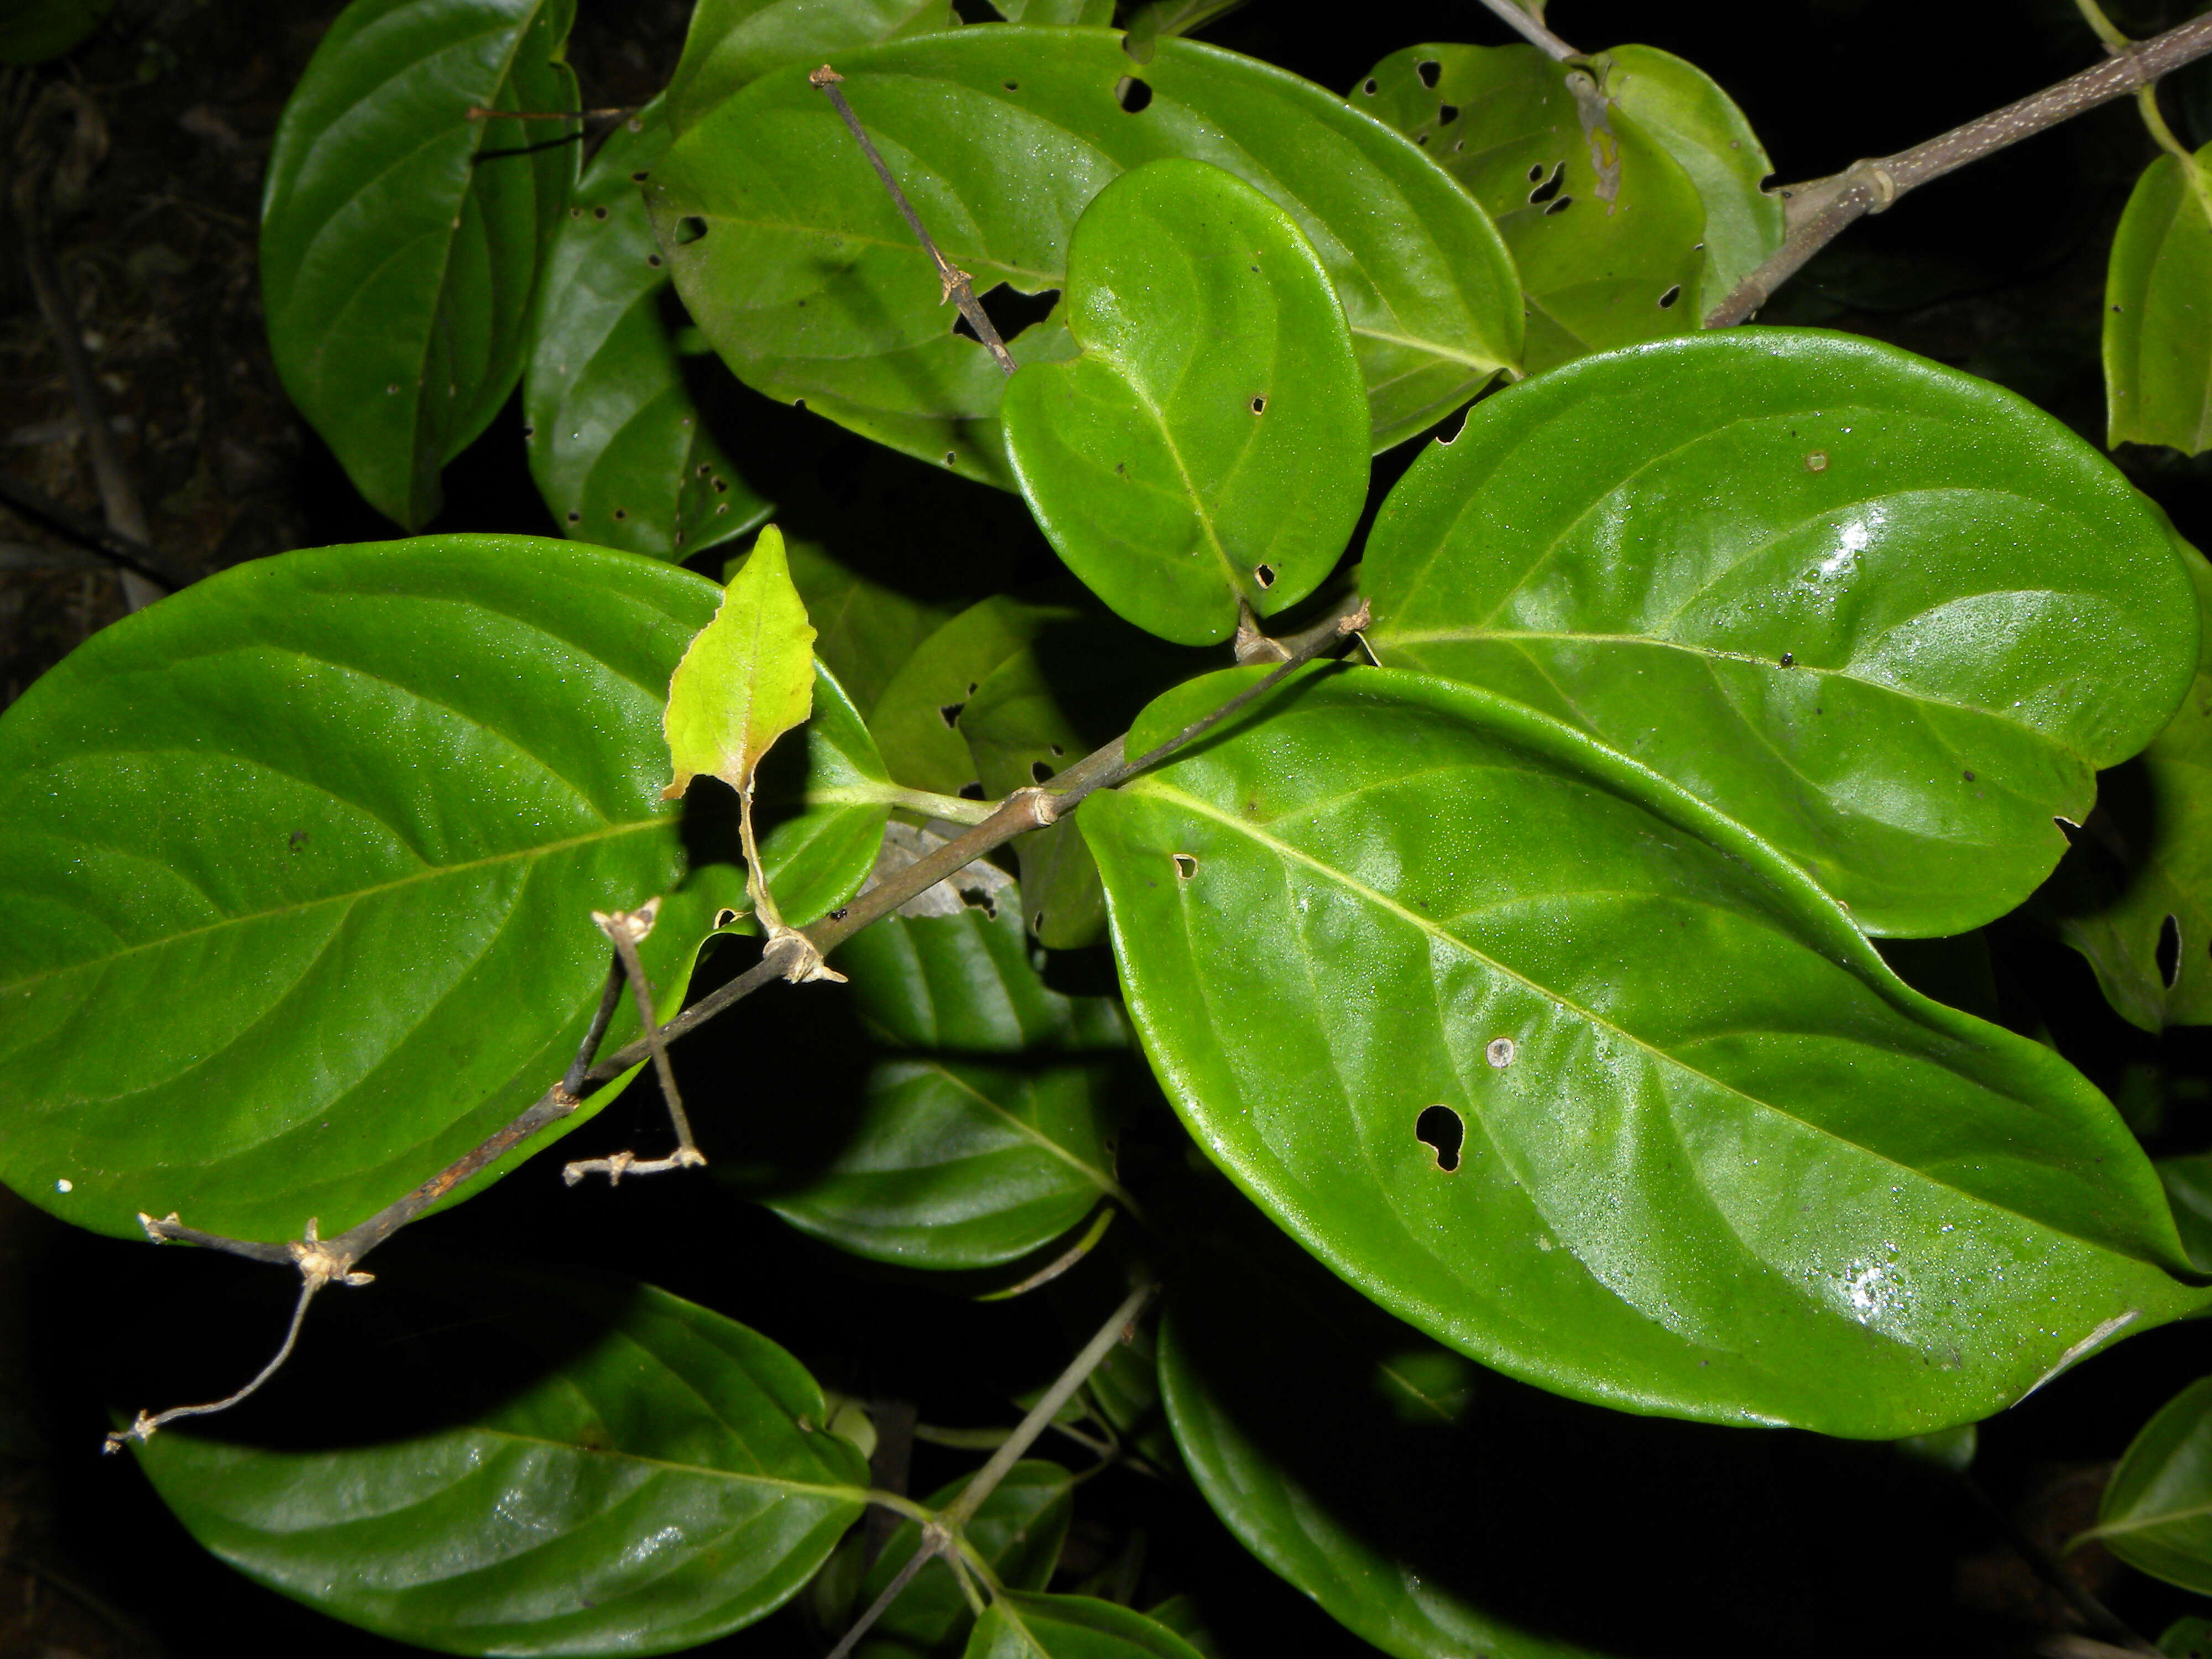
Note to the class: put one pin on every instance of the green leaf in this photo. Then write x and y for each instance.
(1073, 687)
(34, 31)
(649, 1476)
(2187, 1638)
(1158, 19)
(1253, 1354)
(2158, 335)
(401, 241)
(916, 723)
(1018, 1530)
(2188, 1182)
(1016, 1626)
(1691, 1147)
(983, 1128)
(2156, 1514)
(1890, 618)
(1208, 445)
(1605, 226)
(2135, 895)
(1084, 14)
(746, 679)
(827, 801)
(731, 43)
(865, 629)
(324, 833)
(619, 446)
(1685, 110)
(801, 270)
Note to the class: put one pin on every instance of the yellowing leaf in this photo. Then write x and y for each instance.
(747, 678)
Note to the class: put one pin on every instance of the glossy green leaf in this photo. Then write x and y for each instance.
(916, 723)
(1889, 617)
(1073, 687)
(1019, 1530)
(1016, 1626)
(1691, 1147)
(2188, 1182)
(1208, 443)
(620, 447)
(731, 43)
(1698, 125)
(324, 833)
(983, 1127)
(1251, 1356)
(649, 1476)
(864, 629)
(746, 678)
(33, 31)
(401, 241)
(2135, 894)
(2156, 1513)
(1075, 14)
(2158, 333)
(1155, 20)
(1605, 226)
(826, 800)
(802, 273)
(1440, 1510)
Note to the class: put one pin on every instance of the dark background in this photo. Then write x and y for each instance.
(1998, 269)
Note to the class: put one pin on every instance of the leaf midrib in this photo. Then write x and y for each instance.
(352, 896)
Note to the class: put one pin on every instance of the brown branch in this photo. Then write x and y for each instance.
(1105, 767)
(957, 287)
(627, 929)
(125, 550)
(1821, 210)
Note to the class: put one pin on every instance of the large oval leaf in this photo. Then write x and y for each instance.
(1605, 226)
(2134, 895)
(639, 1476)
(2156, 1513)
(620, 447)
(802, 273)
(1889, 617)
(1692, 1148)
(2158, 337)
(400, 241)
(983, 1127)
(1207, 445)
(325, 832)
(1018, 1626)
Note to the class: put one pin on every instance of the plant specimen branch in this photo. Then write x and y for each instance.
(1105, 767)
(1822, 210)
(956, 286)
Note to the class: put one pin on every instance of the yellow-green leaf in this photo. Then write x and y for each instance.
(747, 678)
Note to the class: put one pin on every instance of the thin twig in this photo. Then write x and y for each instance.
(627, 929)
(957, 287)
(145, 1427)
(124, 550)
(1821, 210)
(1531, 29)
(609, 999)
(942, 1534)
